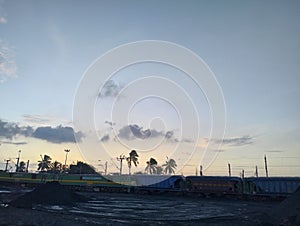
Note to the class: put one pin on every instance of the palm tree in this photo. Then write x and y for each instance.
(151, 166)
(56, 167)
(45, 163)
(133, 158)
(170, 166)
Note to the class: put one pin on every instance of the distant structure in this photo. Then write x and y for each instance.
(121, 158)
(201, 170)
(256, 171)
(266, 166)
(229, 170)
(67, 151)
(18, 159)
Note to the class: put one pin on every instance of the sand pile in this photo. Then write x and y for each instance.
(51, 193)
(288, 211)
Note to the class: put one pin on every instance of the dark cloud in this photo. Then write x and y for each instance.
(10, 130)
(105, 138)
(134, 131)
(236, 141)
(58, 134)
(169, 134)
(110, 123)
(131, 132)
(110, 89)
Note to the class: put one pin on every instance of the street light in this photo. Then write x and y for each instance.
(67, 151)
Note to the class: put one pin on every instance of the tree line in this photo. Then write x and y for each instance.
(152, 167)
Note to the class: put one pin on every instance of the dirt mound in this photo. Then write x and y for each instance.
(51, 193)
(288, 211)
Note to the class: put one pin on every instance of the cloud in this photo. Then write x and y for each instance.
(105, 138)
(236, 141)
(134, 131)
(14, 143)
(10, 130)
(110, 123)
(110, 89)
(275, 151)
(39, 120)
(58, 134)
(8, 67)
(2, 20)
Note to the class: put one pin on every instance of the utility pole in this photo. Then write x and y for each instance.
(201, 170)
(256, 171)
(243, 174)
(105, 169)
(18, 159)
(266, 166)
(229, 169)
(121, 158)
(6, 165)
(196, 171)
(27, 166)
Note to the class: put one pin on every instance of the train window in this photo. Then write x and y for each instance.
(33, 176)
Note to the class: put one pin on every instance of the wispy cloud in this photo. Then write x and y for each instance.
(275, 151)
(42, 120)
(236, 141)
(3, 20)
(8, 67)
(14, 143)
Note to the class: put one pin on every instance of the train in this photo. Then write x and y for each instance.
(157, 184)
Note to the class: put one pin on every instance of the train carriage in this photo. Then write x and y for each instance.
(271, 185)
(213, 185)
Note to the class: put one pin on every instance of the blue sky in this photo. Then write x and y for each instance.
(253, 48)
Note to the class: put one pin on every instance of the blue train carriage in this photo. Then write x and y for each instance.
(214, 185)
(271, 185)
(151, 184)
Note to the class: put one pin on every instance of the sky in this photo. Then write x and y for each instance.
(250, 48)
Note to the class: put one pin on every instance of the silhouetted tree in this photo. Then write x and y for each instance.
(45, 163)
(82, 168)
(151, 166)
(133, 158)
(170, 166)
(55, 167)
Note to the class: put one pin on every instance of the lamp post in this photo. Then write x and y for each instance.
(18, 159)
(67, 151)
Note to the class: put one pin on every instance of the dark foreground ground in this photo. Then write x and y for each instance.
(128, 209)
